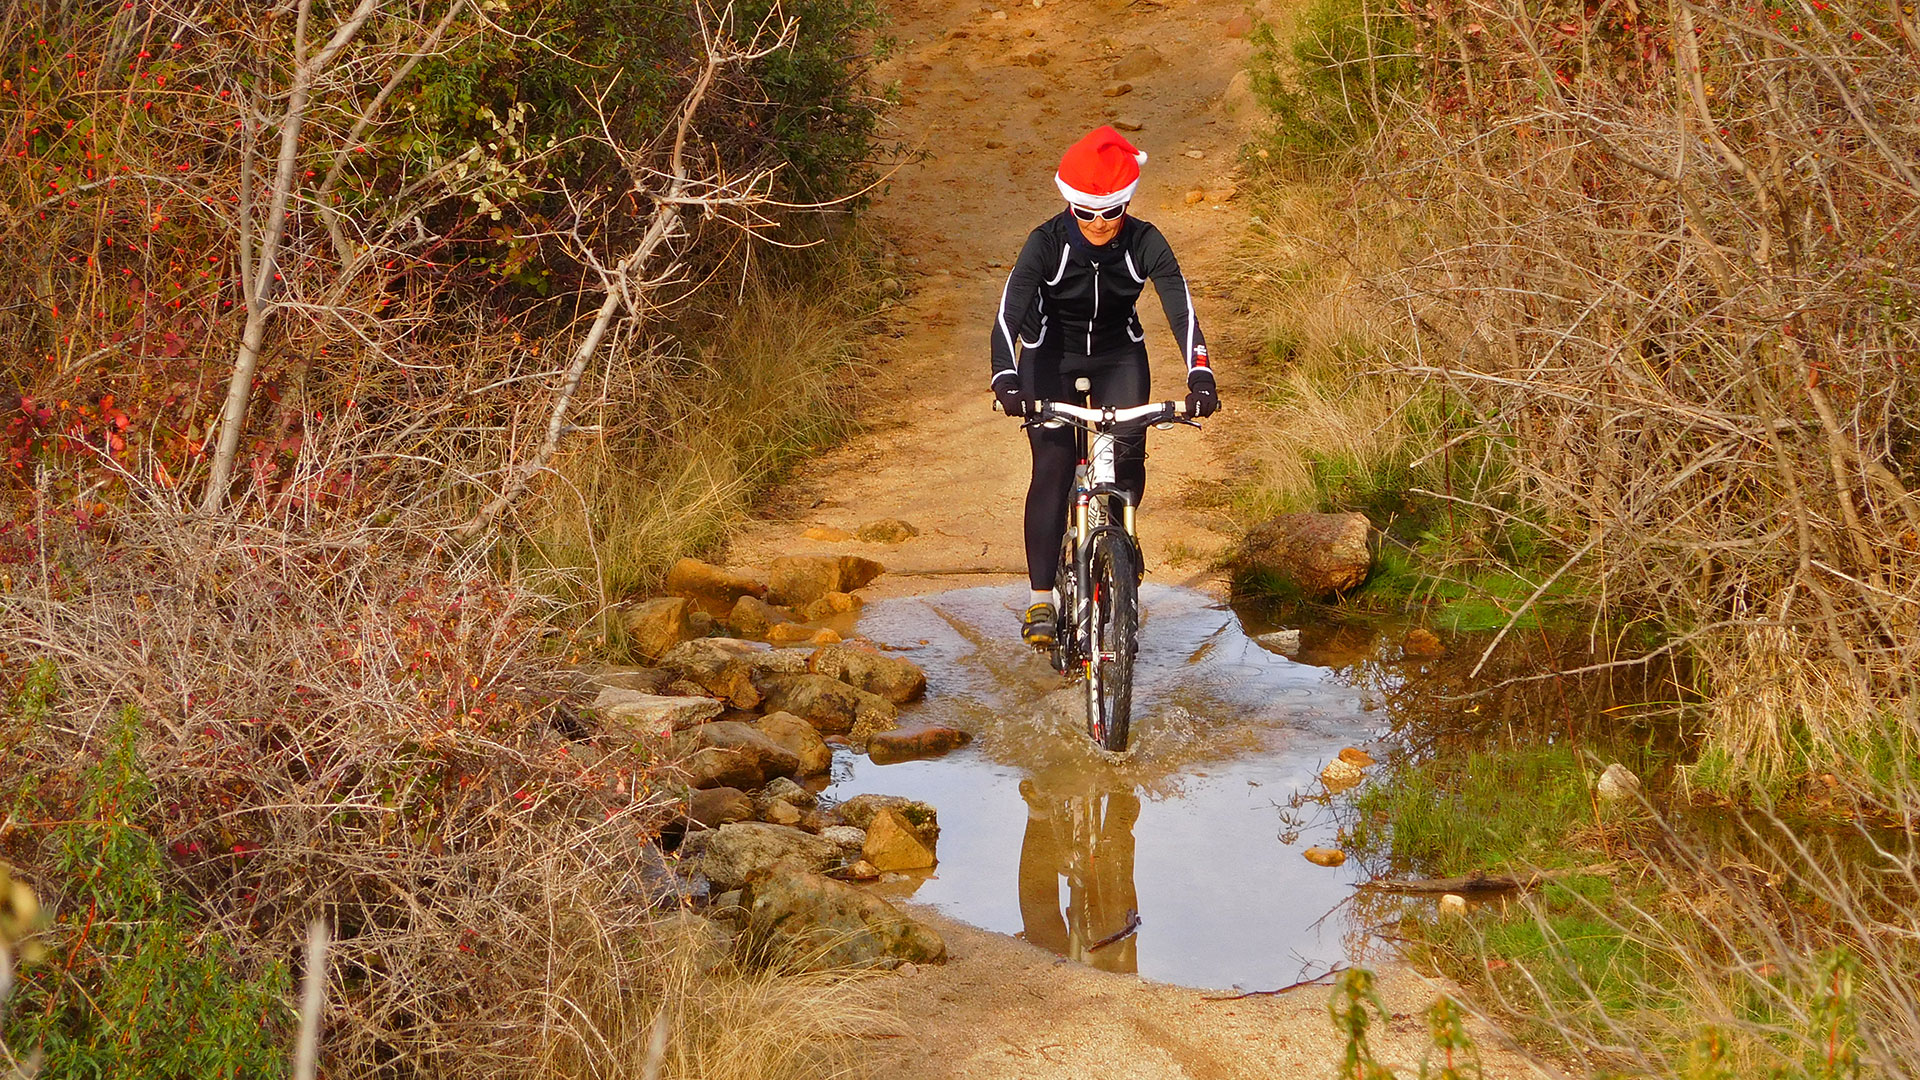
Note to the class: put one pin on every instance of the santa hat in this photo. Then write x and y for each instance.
(1100, 170)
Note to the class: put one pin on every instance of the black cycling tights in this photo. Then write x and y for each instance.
(1119, 380)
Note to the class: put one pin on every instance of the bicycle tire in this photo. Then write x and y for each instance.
(1115, 616)
(1064, 654)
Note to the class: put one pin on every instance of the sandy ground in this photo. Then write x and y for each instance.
(991, 96)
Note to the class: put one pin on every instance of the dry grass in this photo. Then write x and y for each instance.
(341, 724)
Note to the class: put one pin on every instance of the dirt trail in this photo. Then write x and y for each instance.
(992, 96)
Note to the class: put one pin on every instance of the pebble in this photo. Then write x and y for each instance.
(1196, 196)
(1117, 90)
(1340, 775)
(1128, 123)
(1453, 904)
(1356, 757)
(1196, 154)
(1320, 856)
(999, 14)
(908, 967)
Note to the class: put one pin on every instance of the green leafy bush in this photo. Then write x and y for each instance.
(133, 991)
(1330, 84)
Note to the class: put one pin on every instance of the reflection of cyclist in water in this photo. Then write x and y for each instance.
(1088, 840)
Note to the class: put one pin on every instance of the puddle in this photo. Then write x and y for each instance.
(1045, 837)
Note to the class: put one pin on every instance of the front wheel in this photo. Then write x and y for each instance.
(1114, 617)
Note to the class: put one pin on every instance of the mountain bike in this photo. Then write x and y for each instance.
(1098, 584)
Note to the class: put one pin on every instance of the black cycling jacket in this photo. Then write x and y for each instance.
(1065, 293)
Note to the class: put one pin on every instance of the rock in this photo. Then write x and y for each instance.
(1309, 556)
(1197, 155)
(800, 579)
(1117, 90)
(869, 725)
(1195, 197)
(847, 837)
(1220, 195)
(890, 677)
(1423, 644)
(814, 923)
(695, 579)
(827, 534)
(727, 903)
(862, 870)
(783, 789)
(647, 680)
(894, 844)
(892, 747)
(798, 738)
(714, 807)
(781, 813)
(1239, 26)
(733, 853)
(683, 933)
(1037, 91)
(722, 667)
(831, 706)
(1138, 61)
(908, 969)
(826, 607)
(1318, 856)
(1617, 784)
(1284, 642)
(789, 633)
(859, 811)
(654, 714)
(752, 616)
(1340, 775)
(655, 626)
(826, 637)
(818, 821)
(1128, 123)
(686, 688)
(728, 753)
(1356, 757)
(1453, 904)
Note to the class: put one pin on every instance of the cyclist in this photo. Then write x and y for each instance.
(1066, 313)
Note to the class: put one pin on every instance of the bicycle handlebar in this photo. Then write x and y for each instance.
(1152, 412)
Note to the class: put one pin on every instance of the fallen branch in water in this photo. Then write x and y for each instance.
(1133, 924)
(1322, 977)
(1481, 881)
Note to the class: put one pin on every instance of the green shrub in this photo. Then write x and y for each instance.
(1331, 83)
(133, 992)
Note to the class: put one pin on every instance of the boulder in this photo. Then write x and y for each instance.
(714, 807)
(655, 626)
(781, 813)
(814, 923)
(695, 579)
(892, 843)
(654, 714)
(831, 706)
(753, 617)
(1617, 784)
(848, 838)
(1308, 556)
(892, 747)
(733, 853)
(800, 739)
(790, 633)
(783, 789)
(728, 753)
(859, 812)
(829, 605)
(801, 579)
(890, 677)
(647, 680)
(722, 667)
(869, 725)
(1340, 774)
(887, 531)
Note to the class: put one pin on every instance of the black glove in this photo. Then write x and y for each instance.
(1012, 401)
(1202, 399)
